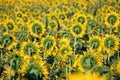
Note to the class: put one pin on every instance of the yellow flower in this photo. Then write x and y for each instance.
(110, 43)
(78, 30)
(36, 28)
(8, 41)
(10, 24)
(29, 48)
(112, 19)
(81, 18)
(64, 51)
(95, 43)
(48, 43)
(52, 24)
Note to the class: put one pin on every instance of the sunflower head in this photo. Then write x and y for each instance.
(88, 61)
(65, 50)
(33, 70)
(94, 43)
(7, 41)
(78, 30)
(14, 60)
(29, 48)
(10, 24)
(21, 35)
(36, 28)
(48, 43)
(110, 42)
(112, 19)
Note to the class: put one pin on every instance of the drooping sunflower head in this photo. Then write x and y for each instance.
(36, 28)
(8, 41)
(53, 24)
(78, 30)
(14, 60)
(10, 24)
(62, 16)
(112, 19)
(110, 42)
(25, 18)
(88, 61)
(95, 43)
(32, 71)
(81, 18)
(21, 35)
(29, 48)
(48, 43)
(36, 70)
(65, 51)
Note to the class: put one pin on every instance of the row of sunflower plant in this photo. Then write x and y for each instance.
(59, 40)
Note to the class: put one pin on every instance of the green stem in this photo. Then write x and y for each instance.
(66, 73)
(74, 45)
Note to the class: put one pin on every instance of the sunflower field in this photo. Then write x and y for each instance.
(59, 39)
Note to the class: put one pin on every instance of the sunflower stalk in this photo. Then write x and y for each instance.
(52, 67)
(118, 54)
(11, 63)
(66, 72)
(69, 67)
(108, 56)
(45, 49)
(75, 45)
(29, 51)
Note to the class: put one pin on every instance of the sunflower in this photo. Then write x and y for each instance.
(86, 76)
(10, 24)
(77, 30)
(36, 28)
(52, 24)
(62, 16)
(29, 48)
(14, 60)
(112, 19)
(35, 70)
(95, 43)
(18, 15)
(48, 43)
(65, 51)
(81, 18)
(25, 18)
(88, 61)
(8, 41)
(21, 35)
(110, 43)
